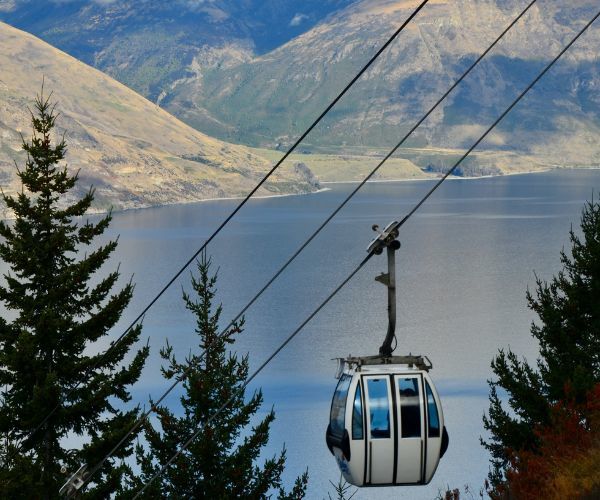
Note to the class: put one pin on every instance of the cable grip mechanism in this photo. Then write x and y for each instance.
(74, 483)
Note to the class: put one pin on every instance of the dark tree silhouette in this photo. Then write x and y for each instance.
(220, 463)
(569, 338)
(59, 307)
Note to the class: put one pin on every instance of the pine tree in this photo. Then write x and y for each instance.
(569, 338)
(59, 307)
(342, 490)
(220, 463)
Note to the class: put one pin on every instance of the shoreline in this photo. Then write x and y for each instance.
(261, 197)
(227, 198)
(325, 189)
(376, 181)
(459, 177)
(93, 212)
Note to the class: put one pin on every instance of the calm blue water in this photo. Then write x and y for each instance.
(466, 261)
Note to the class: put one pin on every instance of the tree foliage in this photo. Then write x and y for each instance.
(568, 368)
(565, 464)
(59, 307)
(342, 490)
(221, 462)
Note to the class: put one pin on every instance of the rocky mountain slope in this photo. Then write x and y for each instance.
(133, 152)
(269, 99)
(259, 71)
(147, 44)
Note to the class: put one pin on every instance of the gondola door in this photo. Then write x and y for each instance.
(380, 430)
(412, 445)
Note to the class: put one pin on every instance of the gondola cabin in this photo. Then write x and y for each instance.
(386, 424)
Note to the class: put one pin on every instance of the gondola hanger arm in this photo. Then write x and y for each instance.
(387, 239)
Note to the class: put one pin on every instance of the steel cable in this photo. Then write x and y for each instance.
(317, 231)
(145, 415)
(366, 259)
(232, 214)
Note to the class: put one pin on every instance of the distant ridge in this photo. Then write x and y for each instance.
(148, 44)
(134, 153)
(257, 72)
(266, 100)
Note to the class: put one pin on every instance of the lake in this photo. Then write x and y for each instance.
(467, 259)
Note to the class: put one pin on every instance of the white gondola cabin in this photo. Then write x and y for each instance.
(386, 424)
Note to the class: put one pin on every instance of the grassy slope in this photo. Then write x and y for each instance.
(133, 152)
(409, 163)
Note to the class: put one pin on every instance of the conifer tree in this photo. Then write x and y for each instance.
(569, 339)
(59, 307)
(221, 462)
(565, 463)
(342, 490)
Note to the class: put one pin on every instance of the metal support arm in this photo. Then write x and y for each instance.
(387, 239)
(390, 280)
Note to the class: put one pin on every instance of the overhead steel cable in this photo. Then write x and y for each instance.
(240, 205)
(181, 377)
(366, 259)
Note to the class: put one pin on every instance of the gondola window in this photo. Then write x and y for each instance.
(357, 416)
(379, 408)
(410, 410)
(338, 406)
(433, 423)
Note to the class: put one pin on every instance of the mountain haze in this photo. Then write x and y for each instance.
(134, 153)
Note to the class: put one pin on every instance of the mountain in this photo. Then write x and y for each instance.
(148, 44)
(269, 99)
(134, 153)
(259, 71)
